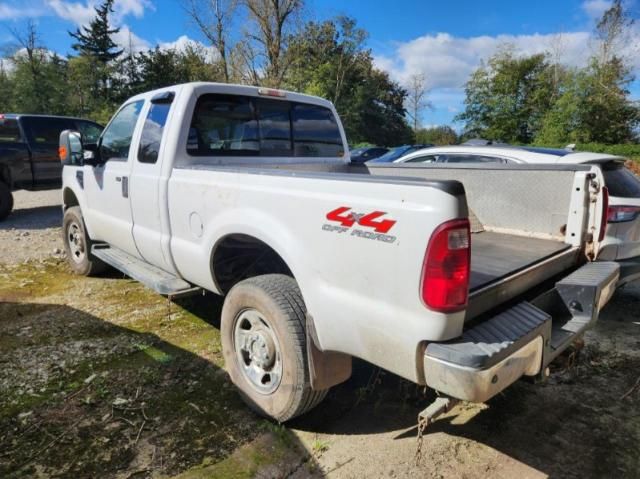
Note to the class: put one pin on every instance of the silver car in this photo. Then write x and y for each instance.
(622, 236)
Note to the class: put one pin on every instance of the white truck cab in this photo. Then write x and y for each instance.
(460, 279)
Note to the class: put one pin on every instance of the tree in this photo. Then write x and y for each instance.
(271, 19)
(95, 40)
(96, 43)
(507, 98)
(416, 98)
(438, 135)
(328, 59)
(213, 18)
(594, 105)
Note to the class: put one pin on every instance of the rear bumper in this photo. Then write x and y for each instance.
(522, 340)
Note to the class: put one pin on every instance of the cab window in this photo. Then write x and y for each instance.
(236, 125)
(116, 139)
(90, 131)
(152, 132)
(46, 130)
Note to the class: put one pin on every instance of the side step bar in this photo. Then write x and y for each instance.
(155, 278)
(522, 340)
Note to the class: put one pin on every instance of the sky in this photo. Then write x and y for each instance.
(445, 41)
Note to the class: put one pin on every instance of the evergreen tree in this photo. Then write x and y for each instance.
(95, 40)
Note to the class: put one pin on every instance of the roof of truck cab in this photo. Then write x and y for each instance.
(16, 116)
(522, 154)
(234, 89)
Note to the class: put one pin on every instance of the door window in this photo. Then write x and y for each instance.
(423, 159)
(9, 131)
(46, 130)
(470, 159)
(116, 139)
(90, 131)
(152, 132)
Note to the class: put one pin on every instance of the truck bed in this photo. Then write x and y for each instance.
(495, 256)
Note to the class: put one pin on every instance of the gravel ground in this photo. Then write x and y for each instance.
(32, 231)
(100, 377)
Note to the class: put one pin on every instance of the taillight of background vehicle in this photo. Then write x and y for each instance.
(445, 273)
(620, 214)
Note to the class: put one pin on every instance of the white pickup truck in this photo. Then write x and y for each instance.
(462, 279)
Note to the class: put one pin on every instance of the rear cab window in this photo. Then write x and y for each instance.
(46, 130)
(620, 181)
(10, 131)
(236, 125)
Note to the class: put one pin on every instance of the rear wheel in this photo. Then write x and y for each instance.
(77, 244)
(264, 346)
(6, 200)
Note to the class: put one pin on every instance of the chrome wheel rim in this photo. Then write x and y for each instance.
(75, 240)
(257, 351)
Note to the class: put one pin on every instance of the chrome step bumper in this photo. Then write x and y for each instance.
(522, 340)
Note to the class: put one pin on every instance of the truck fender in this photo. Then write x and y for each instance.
(326, 368)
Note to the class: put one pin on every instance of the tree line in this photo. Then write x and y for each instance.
(510, 97)
(537, 99)
(274, 48)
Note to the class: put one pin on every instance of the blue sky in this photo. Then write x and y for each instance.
(443, 40)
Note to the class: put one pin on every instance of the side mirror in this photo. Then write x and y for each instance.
(70, 148)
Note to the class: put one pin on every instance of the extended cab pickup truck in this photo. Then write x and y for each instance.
(462, 279)
(29, 152)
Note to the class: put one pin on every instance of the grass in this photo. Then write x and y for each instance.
(102, 375)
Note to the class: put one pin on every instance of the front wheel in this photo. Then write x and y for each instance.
(77, 244)
(264, 346)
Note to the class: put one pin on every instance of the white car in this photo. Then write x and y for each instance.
(622, 237)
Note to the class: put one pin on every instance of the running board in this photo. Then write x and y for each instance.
(152, 277)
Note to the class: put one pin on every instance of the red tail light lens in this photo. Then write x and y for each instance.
(445, 272)
(620, 214)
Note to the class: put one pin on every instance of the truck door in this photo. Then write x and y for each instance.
(43, 135)
(107, 186)
(148, 186)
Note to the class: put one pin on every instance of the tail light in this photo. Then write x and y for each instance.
(620, 214)
(605, 213)
(445, 272)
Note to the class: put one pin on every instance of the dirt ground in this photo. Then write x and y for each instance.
(100, 377)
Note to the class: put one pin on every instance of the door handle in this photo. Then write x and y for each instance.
(125, 185)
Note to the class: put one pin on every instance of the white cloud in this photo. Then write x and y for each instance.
(595, 8)
(78, 13)
(9, 12)
(183, 42)
(447, 61)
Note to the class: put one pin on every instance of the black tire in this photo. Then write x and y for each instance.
(77, 244)
(278, 301)
(6, 200)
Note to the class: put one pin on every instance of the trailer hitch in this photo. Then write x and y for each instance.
(426, 417)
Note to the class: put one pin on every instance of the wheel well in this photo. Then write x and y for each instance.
(69, 199)
(238, 256)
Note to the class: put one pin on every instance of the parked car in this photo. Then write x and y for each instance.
(248, 192)
(361, 155)
(622, 236)
(29, 152)
(398, 152)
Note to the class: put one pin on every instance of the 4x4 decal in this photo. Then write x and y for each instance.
(346, 219)
(367, 220)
